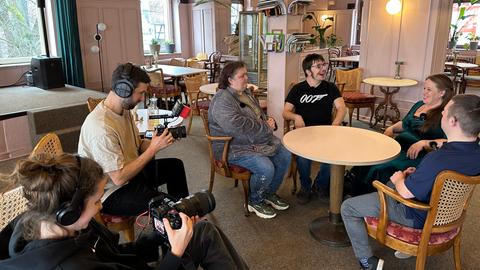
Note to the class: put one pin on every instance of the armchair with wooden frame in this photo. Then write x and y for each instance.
(222, 167)
(349, 82)
(160, 88)
(442, 230)
(198, 100)
(213, 65)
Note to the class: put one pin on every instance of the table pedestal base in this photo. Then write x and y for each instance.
(383, 108)
(328, 232)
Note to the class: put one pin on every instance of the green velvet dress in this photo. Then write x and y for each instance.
(411, 134)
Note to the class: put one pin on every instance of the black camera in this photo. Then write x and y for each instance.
(177, 132)
(165, 206)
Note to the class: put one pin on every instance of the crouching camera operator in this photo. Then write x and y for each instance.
(58, 230)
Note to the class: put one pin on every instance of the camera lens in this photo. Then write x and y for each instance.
(200, 203)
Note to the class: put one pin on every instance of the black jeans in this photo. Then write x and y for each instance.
(132, 199)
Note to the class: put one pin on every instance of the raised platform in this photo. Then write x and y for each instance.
(60, 110)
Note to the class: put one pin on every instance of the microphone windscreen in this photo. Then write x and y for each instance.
(185, 112)
(242, 105)
(423, 116)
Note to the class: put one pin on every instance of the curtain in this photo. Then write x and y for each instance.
(69, 41)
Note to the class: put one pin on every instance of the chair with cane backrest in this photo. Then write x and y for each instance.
(12, 204)
(222, 167)
(198, 100)
(179, 62)
(48, 145)
(160, 88)
(196, 64)
(354, 99)
(446, 213)
(123, 224)
(93, 102)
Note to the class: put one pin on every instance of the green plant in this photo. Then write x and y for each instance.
(473, 37)
(466, 46)
(320, 28)
(333, 41)
(154, 41)
(168, 42)
(456, 28)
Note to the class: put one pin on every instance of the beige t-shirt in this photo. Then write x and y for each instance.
(110, 139)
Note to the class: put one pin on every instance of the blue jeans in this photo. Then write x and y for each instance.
(353, 211)
(323, 177)
(267, 172)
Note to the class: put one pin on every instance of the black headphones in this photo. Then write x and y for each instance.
(124, 87)
(69, 212)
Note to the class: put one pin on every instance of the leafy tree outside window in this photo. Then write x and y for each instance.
(20, 34)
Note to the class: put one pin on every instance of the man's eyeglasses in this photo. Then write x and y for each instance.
(319, 66)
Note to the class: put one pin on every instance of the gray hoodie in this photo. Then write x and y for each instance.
(229, 117)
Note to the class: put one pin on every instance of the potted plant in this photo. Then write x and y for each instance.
(320, 28)
(154, 46)
(170, 46)
(456, 28)
(333, 41)
(473, 41)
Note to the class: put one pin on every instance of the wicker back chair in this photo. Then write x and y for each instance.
(443, 226)
(196, 64)
(160, 88)
(222, 167)
(198, 100)
(179, 62)
(12, 204)
(93, 102)
(48, 145)
(350, 90)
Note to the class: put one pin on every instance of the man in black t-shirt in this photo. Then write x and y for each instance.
(310, 103)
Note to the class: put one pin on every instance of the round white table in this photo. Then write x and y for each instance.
(388, 86)
(211, 88)
(339, 146)
(462, 65)
(144, 123)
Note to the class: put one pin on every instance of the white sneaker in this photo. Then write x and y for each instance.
(401, 255)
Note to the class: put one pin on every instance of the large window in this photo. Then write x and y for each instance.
(235, 17)
(158, 23)
(20, 34)
(468, 27)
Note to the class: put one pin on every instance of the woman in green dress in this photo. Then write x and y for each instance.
(414, 133)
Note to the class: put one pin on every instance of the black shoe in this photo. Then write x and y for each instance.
(374, 263)
(303, 196)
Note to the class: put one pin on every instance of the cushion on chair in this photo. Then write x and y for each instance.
(203, 104)
(233, 168)
(411, 235)
(114, 219)
(357, 97)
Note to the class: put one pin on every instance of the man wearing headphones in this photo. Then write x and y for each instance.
(110, 137)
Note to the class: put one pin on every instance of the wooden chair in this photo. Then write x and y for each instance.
(443, 226)
(179, 62)
(93, 102)
(12, 204)
(222, 167)
(48, 145)
(213, 65)
(160, 88)
(123, 224)
(350, 81)
(196, 64)
(198, 100)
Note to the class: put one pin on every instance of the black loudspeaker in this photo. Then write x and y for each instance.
(47, 72)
